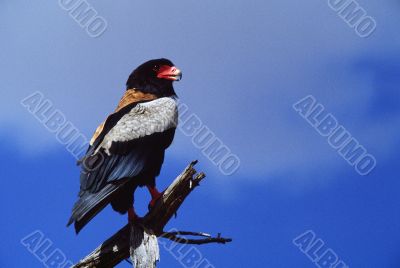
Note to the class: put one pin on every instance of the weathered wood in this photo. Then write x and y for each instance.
(172, 199)
(144, 246)
(144, 249)
(109, 253)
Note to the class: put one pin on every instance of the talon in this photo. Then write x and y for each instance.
(154, 200)
(155, 195)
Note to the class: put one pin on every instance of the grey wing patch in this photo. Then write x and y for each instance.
(144, 119)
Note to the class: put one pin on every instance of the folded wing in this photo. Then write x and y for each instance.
(132, 142)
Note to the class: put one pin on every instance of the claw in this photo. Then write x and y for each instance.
(154, 200)
(155, 195)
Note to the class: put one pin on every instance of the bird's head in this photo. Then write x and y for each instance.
(155, 77)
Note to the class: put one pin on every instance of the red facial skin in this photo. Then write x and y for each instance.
(169, 73)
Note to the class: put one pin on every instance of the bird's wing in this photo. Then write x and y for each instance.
(124, 149)
(130, 97)
(143, 120)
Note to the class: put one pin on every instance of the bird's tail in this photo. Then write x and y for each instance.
(90, 204)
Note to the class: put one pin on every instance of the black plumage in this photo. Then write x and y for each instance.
(142, 78)
(110, 174)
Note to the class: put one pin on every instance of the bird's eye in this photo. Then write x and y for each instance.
(156, 68)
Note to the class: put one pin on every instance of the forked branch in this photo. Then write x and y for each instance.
(117, 248)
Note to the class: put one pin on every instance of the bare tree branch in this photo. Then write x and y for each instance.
(117, 248)
(183, 240)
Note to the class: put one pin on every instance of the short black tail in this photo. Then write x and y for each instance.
(90, 204)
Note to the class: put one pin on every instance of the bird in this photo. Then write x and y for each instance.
(127, 150)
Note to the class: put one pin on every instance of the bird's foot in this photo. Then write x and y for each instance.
(155, 195)
(154, 198)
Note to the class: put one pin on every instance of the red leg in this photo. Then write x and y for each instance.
(155, 195)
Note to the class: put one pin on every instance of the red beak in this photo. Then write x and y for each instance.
(169, 73)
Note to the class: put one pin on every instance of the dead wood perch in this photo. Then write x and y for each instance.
(141, 240)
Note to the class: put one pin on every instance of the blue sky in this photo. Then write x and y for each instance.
(245, 64)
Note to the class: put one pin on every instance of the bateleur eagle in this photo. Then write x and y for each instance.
(127, 149)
